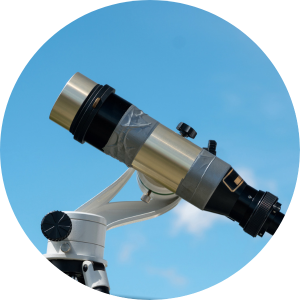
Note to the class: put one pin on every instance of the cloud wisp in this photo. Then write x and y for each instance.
(169, 274)
(128, 248)
(126, 251)
(193, 220)
(249, 176)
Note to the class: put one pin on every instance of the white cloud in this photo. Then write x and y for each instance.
(134, 243)
(270, 186)
(126, 252)
(273, 106)
(232, 100)
(170, 274)
(193, 220)
(250, 177)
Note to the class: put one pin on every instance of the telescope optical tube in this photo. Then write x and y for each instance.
(95, 114)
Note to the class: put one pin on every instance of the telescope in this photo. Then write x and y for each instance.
(169, 168)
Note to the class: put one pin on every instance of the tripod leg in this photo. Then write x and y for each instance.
(95, 276)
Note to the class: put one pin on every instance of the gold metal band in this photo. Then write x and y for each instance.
(166, 157)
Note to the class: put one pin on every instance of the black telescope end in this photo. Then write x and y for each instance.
(273, 222)
(256, 212)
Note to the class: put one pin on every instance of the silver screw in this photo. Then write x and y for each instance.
(146, 197)
(65, 247)
(250, 197)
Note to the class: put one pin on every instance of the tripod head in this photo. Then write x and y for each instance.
(76, 240)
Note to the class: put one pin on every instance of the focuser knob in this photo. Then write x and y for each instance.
(212, 147)
(56, 226)
(186, 130)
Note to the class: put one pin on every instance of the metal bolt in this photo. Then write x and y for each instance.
(65, 247)
(146, 198)
(250, 197)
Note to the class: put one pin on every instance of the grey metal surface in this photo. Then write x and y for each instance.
(129, 136)
(70, 99)
(202, 179)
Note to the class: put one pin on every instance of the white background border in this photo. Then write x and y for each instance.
(272, 25)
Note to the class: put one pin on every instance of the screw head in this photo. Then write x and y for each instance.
(85, 268)
(65, 247)
(146, 198)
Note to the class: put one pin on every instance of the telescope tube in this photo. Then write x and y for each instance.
(95, 114)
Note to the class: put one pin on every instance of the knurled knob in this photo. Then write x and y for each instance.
(186, 130)
(212, 147)
(56, 226)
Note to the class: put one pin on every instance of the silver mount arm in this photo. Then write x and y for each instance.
(122, 213)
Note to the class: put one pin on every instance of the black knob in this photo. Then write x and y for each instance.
(56, 226)
(186, 130)
(212, 147)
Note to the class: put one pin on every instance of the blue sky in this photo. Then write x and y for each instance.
(204, 72)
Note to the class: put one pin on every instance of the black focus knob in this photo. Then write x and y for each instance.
(212, 147)
(186, 130)
(56, 226)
